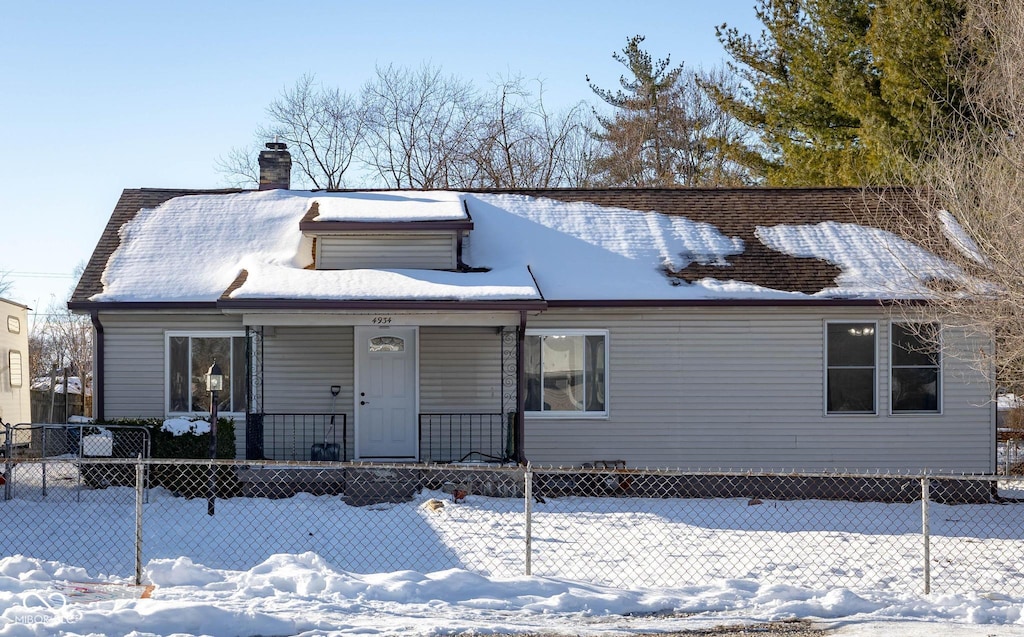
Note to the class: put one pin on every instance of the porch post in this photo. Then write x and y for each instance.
(520, 395)
(254, 393)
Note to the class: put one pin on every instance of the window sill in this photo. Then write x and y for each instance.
(567, 415)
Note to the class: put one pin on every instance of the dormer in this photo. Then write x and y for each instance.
(419, 231)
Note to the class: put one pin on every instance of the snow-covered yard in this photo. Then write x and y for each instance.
(313, 564)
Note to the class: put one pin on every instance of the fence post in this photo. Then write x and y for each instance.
(926, 534)
(138, 519)
(8, 450)
(528, 476)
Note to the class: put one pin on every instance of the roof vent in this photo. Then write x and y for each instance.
(275, 167)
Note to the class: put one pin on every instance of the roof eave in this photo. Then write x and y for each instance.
(325, 227)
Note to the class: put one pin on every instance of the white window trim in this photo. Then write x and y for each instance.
(10, 369)
(578, 415)
(13, 324)
(168, 335)
(825, 367)
(941, 380)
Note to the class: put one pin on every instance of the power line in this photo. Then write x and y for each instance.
(41, 275)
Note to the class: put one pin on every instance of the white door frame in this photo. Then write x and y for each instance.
(360, 335)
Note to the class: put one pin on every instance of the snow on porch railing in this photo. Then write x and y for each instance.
(466, 438)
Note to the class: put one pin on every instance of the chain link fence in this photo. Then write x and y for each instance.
(605, 525)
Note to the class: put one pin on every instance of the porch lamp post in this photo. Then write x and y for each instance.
(214, 384)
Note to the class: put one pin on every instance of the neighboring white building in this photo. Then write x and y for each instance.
(15, 401)
(703, 329)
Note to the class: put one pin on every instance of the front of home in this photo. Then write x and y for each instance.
(703, 329)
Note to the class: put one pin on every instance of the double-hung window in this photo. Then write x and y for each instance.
(566, 372)
(189, 357)
(850, 367)
(916, 372)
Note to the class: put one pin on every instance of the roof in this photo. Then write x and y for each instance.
(581, 245)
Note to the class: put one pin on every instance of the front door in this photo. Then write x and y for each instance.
(387, 400)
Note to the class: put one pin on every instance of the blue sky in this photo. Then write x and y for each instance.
(101, 96)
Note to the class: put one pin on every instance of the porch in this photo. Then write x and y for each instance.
(406, 389)
(441, 438)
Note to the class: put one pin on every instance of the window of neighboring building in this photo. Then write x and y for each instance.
(566, 372)
(14, 324)
(189, 357)
(850, 362)
(916, 370)
(15, 366)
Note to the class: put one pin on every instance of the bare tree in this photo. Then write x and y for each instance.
(5, 282)
(524, 145)
(422, 127)
(973, 190)
(323, 128)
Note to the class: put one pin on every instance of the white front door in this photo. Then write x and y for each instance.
(387, 393)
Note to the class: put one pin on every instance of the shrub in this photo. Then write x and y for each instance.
(164, 444)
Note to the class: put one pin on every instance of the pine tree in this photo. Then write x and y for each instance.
(841, 92)
(664, 129)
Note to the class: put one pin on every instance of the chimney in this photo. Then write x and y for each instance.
(275, 167)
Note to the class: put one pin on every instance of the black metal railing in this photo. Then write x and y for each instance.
(466, 437)
(306, 437)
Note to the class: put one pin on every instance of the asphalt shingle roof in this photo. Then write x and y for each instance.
(736, 212)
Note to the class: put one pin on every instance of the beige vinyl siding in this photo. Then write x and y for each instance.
(300, 365)
(135, 362)
(460, 370)
(420, 250)
(15, 402)
(744, 389)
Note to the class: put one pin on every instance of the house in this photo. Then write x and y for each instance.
(14, 385)
(703, 329)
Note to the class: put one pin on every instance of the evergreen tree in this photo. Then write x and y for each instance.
(841, 92)
(665, 131)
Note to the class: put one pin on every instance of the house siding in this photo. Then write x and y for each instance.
(135, 361)
(697, 388)
(460, 370)
(15, 402)
(421, 250)
(744, 389)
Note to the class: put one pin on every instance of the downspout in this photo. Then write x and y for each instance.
(97, 380)
(520, 395)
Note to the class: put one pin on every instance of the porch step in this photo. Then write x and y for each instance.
(365, 486)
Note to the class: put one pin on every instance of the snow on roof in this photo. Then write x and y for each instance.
(583, 251)
(276, 281)
(959, 237)
(436, 205)
(193, 248)
(873, 262)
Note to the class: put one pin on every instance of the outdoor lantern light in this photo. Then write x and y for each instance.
(214, 378)
(214, 384)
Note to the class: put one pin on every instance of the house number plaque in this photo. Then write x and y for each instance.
(381, 320)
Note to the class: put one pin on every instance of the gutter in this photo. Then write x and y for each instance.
(98, 367)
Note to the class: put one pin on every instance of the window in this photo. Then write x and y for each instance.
(189, 357)
(14, 325)
(14, 364)
(916, 373)
(566, 372)
(850, 368)
(387, 344)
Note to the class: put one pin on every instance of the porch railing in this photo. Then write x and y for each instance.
(304, 437)
(466, 437)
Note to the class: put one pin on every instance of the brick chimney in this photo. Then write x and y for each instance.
(275, 167)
